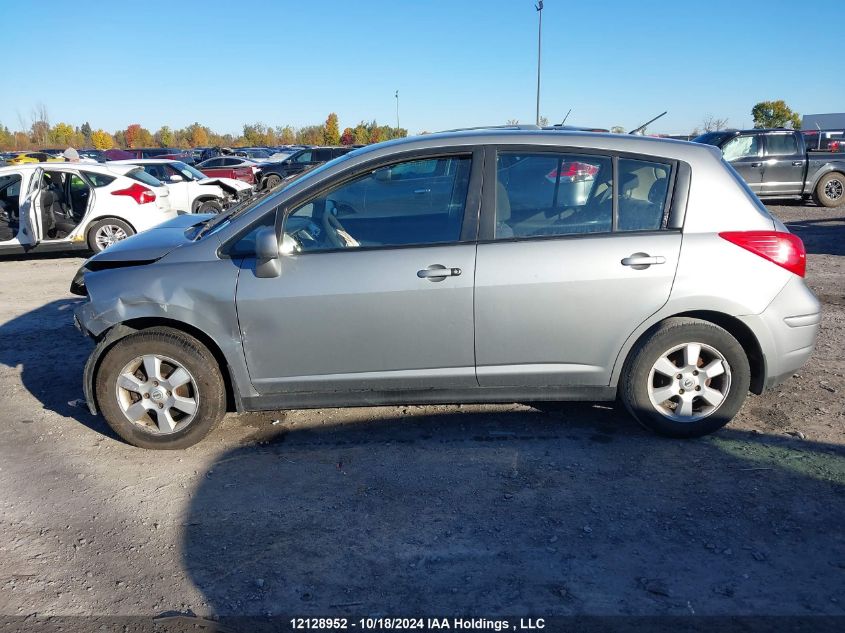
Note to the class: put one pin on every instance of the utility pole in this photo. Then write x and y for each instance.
(539, 8)
(397, 112)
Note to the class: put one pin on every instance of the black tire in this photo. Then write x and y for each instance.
(271, 181)
(634, 382)
(210, 391)
(209, 206)
(830, 190)
(93, 230)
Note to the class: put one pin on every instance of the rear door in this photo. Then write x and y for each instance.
(570, 261)
(745, 154)
(784, 164)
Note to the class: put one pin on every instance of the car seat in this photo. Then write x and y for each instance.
(503, 212)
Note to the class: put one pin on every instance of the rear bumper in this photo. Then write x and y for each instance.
(787, 330)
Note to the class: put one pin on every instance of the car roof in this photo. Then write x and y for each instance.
(143, 161)
(649, 145)
(95, 167)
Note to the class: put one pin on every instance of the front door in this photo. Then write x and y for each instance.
(559, 284)
(367, 300)
(744, 153)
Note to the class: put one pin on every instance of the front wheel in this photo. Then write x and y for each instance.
(107, 232)
(688, 379)
(209, 206)
(830, 190)
(160, 389)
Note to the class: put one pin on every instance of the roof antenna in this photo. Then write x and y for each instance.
(566, 117)
(641, 130)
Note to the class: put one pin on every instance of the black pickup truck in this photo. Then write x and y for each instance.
(777, 164)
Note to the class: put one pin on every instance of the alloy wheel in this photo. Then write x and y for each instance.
(834, 189)
(689, 382)
(157, 393)
(109, 234)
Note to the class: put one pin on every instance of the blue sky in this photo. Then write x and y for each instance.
(455, 63)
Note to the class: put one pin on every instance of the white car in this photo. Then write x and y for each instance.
(191, 191)
(67, 206)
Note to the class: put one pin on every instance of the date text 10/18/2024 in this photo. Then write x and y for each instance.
(418, 624)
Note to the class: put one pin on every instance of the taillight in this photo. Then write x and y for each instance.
(138, 193)
(784, 249)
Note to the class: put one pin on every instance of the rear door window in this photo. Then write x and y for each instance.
(781, 145)
(552, 194)
(644, 187)
(98, 180)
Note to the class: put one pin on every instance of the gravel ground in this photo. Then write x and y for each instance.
(419, 510)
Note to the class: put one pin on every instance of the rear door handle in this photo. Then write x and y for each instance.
(756, 164)
(438, 272)
(640, 261)
(418, 191)
(797, 163)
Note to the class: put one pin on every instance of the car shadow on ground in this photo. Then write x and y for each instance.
(517, 512)
(51, 355)
(821, 237)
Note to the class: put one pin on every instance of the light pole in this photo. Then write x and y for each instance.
(539, 8)
(397, 112)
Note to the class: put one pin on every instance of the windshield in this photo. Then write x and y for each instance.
(710, 138)
(189, 172)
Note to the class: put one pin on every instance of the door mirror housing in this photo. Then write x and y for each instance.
(268, 263)
(176, 178)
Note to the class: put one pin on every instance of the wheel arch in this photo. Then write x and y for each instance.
(735, 327)
(826, 170)
(108, 339)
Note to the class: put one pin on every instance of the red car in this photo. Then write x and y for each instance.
(231, 167)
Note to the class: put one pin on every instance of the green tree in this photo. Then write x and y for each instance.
(86, 133)
(311, 135)
(775, 114)
(286, 135)
(101, 140)
(61, 135)
(7, 139)
(164, 136)
(331, 133)
(362, 134)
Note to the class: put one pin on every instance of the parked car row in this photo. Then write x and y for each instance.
(65, 206)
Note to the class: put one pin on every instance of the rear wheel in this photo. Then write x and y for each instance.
(107, 232)
(688, 379)
(830, 190)
(160, 389)
(273, 180)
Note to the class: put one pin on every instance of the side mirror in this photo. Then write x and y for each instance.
(176, 178)
(268, 264)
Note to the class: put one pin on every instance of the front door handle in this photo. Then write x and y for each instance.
(641, 261)
(756, 164)
(421, 191)
(438, 272)
(797, 163)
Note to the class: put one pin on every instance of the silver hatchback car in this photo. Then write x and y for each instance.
(483, 266)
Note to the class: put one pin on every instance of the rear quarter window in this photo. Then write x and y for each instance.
(98, 180)
(141, 176)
